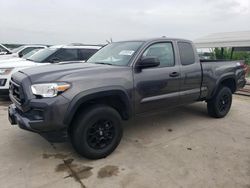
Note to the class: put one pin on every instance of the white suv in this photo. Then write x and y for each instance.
(53, 54)
(21, 51)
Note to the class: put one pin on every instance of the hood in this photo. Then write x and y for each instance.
(8, 56)
(66, 72)
(17, 63)
(10, 60)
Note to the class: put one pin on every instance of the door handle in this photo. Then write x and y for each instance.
(174, 74)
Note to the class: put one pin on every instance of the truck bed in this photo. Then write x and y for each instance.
(214, 70)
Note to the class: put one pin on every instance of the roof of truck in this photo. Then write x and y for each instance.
(156, 39)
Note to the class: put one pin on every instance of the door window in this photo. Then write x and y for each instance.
(163, 51)
(64, 55)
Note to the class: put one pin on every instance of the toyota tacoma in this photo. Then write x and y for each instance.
(122, 80)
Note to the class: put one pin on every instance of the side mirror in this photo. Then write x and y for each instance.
(148, 62)
(20, 54)
(54, 60)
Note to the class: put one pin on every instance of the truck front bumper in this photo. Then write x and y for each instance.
(43, 116)
(16, 118)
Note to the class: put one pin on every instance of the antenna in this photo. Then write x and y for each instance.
(109, 41)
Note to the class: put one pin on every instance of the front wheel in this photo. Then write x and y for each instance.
(220, 104)
(97, 132)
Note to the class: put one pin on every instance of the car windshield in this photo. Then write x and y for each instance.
(15, 50)
(26, 56)
(118, 53)
(42, 55)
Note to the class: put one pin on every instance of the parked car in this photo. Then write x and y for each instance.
(54, 54)
(21, 51)
(122, 80)
(16, 59)
(4, 50)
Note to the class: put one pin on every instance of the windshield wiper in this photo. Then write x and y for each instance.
(102, 63)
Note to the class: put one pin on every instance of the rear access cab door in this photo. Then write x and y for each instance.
(157, 87)
(191, 72)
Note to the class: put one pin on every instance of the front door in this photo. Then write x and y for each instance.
(157, 87)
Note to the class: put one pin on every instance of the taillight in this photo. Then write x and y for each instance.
(243, 66)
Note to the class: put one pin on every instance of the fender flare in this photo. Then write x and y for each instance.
(87, 95)
(221, 79)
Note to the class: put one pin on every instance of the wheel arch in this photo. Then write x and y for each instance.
(228, 80)
(115, 97)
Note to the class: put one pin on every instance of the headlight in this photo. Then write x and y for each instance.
(49, 89)
(5, 71)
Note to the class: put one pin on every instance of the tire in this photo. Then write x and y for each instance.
(220, 104)
(97, 131)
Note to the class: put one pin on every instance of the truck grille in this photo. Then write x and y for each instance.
(16, 92)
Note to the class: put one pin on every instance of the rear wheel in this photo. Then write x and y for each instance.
(97, 132)
(220, 104)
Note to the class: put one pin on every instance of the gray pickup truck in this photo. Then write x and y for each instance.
(122, 80)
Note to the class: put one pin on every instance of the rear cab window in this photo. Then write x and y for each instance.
(186, 51)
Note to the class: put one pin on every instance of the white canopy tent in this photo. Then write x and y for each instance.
(220, 40)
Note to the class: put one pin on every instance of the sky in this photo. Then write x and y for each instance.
(95, 21)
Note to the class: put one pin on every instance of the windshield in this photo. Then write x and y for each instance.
(118, 53)
(42, 55)
(15, 50)
(30, 53)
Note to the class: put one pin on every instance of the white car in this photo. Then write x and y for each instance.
(21, 51)
(4, 50)
(26, 56)
(54, 54)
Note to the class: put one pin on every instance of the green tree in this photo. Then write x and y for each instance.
(237, 55)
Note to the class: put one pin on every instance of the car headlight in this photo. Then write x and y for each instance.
(5, 71)
(49, 89)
